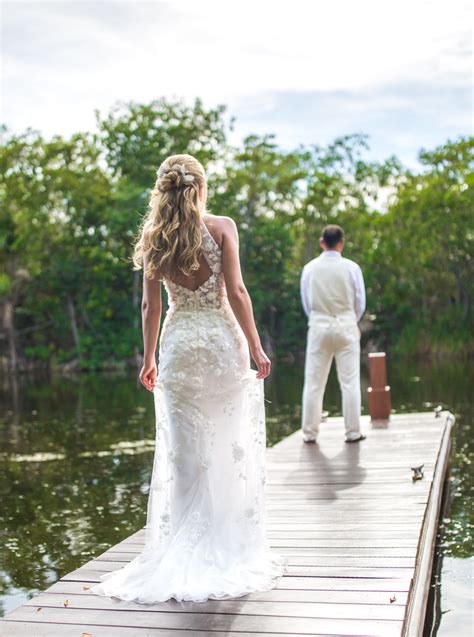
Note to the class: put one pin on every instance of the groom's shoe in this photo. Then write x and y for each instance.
(310, 438)
(357, 439)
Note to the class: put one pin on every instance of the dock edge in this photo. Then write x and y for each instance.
(418, 597)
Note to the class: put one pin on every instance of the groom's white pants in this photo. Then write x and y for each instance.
(332, 336)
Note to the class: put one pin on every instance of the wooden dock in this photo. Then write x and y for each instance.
(359, 533)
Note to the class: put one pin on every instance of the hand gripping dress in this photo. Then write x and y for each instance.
(205, 531)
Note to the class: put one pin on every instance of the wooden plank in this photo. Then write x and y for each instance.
(368, 465)
(299, 560)
(315, 494)
(351, 491)
(232, 607)
(331, 543)
(405, 454)
(321, 476)
(372, 525)
(304, 625)
(118, 551)
(344, 533)
(393, 584)
(331, 507)
(346, 543)
(13, 628)
(341, 533)
(276, 594)
(339, 465)
(306, 513)
(297, 481)
(333, 571)
(339, 520)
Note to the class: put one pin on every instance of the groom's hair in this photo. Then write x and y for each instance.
(332, 234)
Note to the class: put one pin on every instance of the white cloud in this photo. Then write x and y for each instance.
(63, 59)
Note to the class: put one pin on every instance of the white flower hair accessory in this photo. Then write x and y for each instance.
(179, 167)
(187, 177)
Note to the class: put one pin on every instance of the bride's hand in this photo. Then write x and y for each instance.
(262, 362)
(148, 375)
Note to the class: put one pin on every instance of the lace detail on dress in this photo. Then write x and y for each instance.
(212, 251)
(211, 294)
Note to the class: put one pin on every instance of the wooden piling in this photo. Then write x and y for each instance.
(378, 392)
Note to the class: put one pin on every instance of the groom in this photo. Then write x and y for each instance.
(333, 297)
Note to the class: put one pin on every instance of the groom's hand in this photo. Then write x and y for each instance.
(262, 362)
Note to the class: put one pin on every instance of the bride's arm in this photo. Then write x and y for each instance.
(238, 296)
(151, 318)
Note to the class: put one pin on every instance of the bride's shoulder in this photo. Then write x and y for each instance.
(219, 221)
(220, 226)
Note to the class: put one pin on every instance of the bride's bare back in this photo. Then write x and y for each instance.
(195, 280)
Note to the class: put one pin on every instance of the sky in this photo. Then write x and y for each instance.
(306, 70)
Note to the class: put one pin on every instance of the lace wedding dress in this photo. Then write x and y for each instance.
(205, 531)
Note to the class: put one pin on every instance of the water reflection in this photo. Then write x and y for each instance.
(76, 452)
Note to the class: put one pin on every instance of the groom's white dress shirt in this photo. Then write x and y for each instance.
(356, 277)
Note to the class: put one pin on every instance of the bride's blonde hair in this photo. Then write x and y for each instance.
(170, 233)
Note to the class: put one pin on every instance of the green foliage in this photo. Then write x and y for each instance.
(426, 246)
(71, 208)
(138, 137)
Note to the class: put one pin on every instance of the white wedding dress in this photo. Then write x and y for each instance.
(205, 532)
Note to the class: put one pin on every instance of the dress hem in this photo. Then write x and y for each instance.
(280, 565)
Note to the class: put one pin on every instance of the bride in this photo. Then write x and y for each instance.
(205, 529)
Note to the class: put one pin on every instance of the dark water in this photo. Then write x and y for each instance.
(75, 462)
